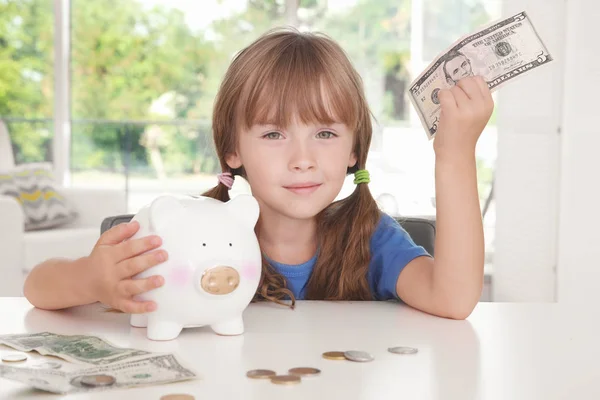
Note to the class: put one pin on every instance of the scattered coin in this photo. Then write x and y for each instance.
(334, 355)
(14, 357)
(285, 379)
(38, 381)
(48, 365)
(98, 380)
(177, 396)
(260, 374)
(358, 356)
(403, 350)
(304, 371)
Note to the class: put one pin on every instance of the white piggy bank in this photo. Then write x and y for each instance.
(213, 266)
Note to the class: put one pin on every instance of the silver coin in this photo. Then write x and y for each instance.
(14, 357)
(48, 365)
(98, 380)
(403, 350)
(358, 356)
(38, 381)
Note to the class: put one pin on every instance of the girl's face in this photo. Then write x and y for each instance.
(295, 171)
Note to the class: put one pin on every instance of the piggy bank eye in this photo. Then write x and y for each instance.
(204, 244)
(230, 245)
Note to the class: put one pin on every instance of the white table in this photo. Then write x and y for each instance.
(502, 351)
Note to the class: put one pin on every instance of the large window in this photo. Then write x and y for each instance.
(27, 76)
(143, 76)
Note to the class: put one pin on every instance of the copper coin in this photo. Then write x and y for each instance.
(177, 397)
(260, 373)
(334, 355)
(98, 380)
(304, 371)
(285, 379)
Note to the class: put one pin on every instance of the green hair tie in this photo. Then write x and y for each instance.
(361, 176)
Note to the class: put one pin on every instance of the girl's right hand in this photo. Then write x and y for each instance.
(113, 263)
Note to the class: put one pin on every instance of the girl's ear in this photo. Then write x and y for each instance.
(233, 160)
(352, 161)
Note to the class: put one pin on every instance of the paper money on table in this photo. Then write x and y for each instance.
(79, 349)
(151, 370)
(499, 52)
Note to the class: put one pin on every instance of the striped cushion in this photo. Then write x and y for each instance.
(7, 185)
(34, 187)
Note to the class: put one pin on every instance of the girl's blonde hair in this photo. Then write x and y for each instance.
(283, 74)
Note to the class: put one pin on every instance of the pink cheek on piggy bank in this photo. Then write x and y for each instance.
(180, 276)
(250, 271)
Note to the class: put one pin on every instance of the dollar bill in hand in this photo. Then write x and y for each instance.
(499, 52)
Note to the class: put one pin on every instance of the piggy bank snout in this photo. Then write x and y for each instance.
(220, 280)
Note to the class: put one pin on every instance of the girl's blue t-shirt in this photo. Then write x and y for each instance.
(391, 250)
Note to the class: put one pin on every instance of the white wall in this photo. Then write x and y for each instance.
(548, 192)
(528, 170)
(579, 222)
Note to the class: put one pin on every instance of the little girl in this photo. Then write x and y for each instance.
(291, 118)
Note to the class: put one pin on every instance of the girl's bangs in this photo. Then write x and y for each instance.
(301, 83)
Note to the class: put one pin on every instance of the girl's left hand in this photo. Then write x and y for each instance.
(466, 109)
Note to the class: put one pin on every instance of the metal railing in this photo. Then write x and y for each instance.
(120, 146)
(126, 133)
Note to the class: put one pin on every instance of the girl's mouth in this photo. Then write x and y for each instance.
(304, 188)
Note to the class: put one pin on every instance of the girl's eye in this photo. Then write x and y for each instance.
(325, 135)
(272, 135)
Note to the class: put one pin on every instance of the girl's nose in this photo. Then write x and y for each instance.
(301, 159)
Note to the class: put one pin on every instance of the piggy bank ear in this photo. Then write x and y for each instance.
(245, 208)
(164, 209)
